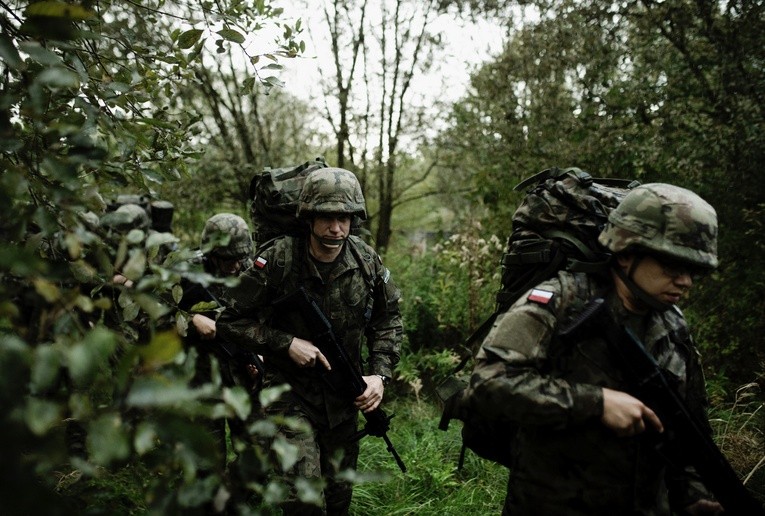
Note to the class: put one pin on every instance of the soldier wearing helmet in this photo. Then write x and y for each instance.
(583, 444)
(226, 244)
(347, 279)
(225, 251)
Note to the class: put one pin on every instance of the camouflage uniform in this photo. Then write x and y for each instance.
(565, 461)
(356, 294)
(225, 236)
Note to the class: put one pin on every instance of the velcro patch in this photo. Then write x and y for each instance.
(260, 262)
(540, 296)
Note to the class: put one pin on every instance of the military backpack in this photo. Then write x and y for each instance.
(555, 227)
(273, 199)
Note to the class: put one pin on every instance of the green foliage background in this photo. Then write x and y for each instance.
(101, 98)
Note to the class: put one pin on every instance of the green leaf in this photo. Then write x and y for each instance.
(275, 492)
(239, 400)
(286, 452)
(80, 406)
(231, 35)
(41, 415)
(151, 305)
(181, 324)
(271, 394)
(45, 368)
(157, 391)
(177, 293)
(40, 54)
(203, 306)
(198, 492)
(162, 349)
(189, 38)
(107, 439)
(273, 81)
(135, 266)
(59, 77)
(135, 236)
(9, 53)
(87, 357)
(158, 239)
(59, 10)
(130, 311)
(309, 491)
(47, 290)
(145, 438)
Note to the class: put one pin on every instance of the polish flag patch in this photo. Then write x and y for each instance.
(540, 296)
(260, 262)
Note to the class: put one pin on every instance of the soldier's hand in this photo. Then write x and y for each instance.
(119, 279)
(253, 370)
(371, 398)
(204, 325)
(305, 354)
(627, 415)
(705, 508)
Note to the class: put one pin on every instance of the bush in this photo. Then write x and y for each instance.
(447, 291)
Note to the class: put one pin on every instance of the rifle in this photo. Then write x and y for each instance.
(344, 378)
(684, 438)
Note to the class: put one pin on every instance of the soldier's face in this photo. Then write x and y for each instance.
(331, 230)
(663, 280)
(228, 266)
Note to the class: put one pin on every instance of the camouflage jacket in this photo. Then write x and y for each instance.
(565, 461)
(359, 299)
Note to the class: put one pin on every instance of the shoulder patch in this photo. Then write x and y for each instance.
(539, 296)
(260, 262)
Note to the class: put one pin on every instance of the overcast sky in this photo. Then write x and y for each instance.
(466, 45)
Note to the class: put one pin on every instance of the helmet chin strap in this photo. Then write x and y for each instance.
(640, 295)
(330, 242)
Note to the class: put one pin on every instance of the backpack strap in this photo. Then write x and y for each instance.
(366, 264)
(293, 259)
(593, 262)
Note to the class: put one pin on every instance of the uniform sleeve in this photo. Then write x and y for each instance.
(247, 308)
(385, 329)
(509, 382)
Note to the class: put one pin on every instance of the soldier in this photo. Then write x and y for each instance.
(226, 251)
(118, 223)
(355, 291)
(583, 445)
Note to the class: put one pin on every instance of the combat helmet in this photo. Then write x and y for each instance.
(125, 218)
(239, 244)
(666, 220)
(331, 190)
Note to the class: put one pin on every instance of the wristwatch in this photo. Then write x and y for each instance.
(385, 379)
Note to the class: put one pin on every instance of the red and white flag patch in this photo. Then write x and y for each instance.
(260, 262)
(540, 296)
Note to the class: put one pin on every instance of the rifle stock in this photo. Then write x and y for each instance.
(684, 437)
(344, 378)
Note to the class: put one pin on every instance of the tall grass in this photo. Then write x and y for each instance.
(432, 484)
(739, 430)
